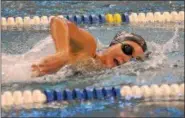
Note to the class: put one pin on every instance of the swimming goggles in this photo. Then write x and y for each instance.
(128, 50)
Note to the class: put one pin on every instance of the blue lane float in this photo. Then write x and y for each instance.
(125, 17)
(107, 92)
(49, 95)
(85, 19)
(102, 18)
(70, 18)
(68, 94)
(84, 94)
(58, 95)
(78, 94)
(94, 19)
(77, 19)
(116, 92)
(88, 93)
(98, 93)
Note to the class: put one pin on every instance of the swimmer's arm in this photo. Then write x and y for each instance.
(72, 44)
(50, 64)
(81, 41)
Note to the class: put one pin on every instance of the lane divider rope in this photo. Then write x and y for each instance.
(132, 18)
(9, 98)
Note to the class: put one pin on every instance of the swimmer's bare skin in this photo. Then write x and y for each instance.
(74, 44)
(71, 43)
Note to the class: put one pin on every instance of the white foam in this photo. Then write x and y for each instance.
(147, 71)
(16, 68)
(172, 44)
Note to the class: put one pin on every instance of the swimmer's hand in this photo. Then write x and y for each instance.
(48, 65)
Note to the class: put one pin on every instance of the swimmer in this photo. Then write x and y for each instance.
(73, 44)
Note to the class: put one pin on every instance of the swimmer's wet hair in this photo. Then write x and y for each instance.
(125, 36)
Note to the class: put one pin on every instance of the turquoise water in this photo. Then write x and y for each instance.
(164, 66)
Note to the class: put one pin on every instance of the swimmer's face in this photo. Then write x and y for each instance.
(121, 53)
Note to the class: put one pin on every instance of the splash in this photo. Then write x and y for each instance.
(152, 70)
(16, 68)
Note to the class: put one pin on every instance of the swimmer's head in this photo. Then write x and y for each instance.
(124, 47)
(125, 36)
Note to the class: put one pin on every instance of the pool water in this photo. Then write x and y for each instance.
(165, 65)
